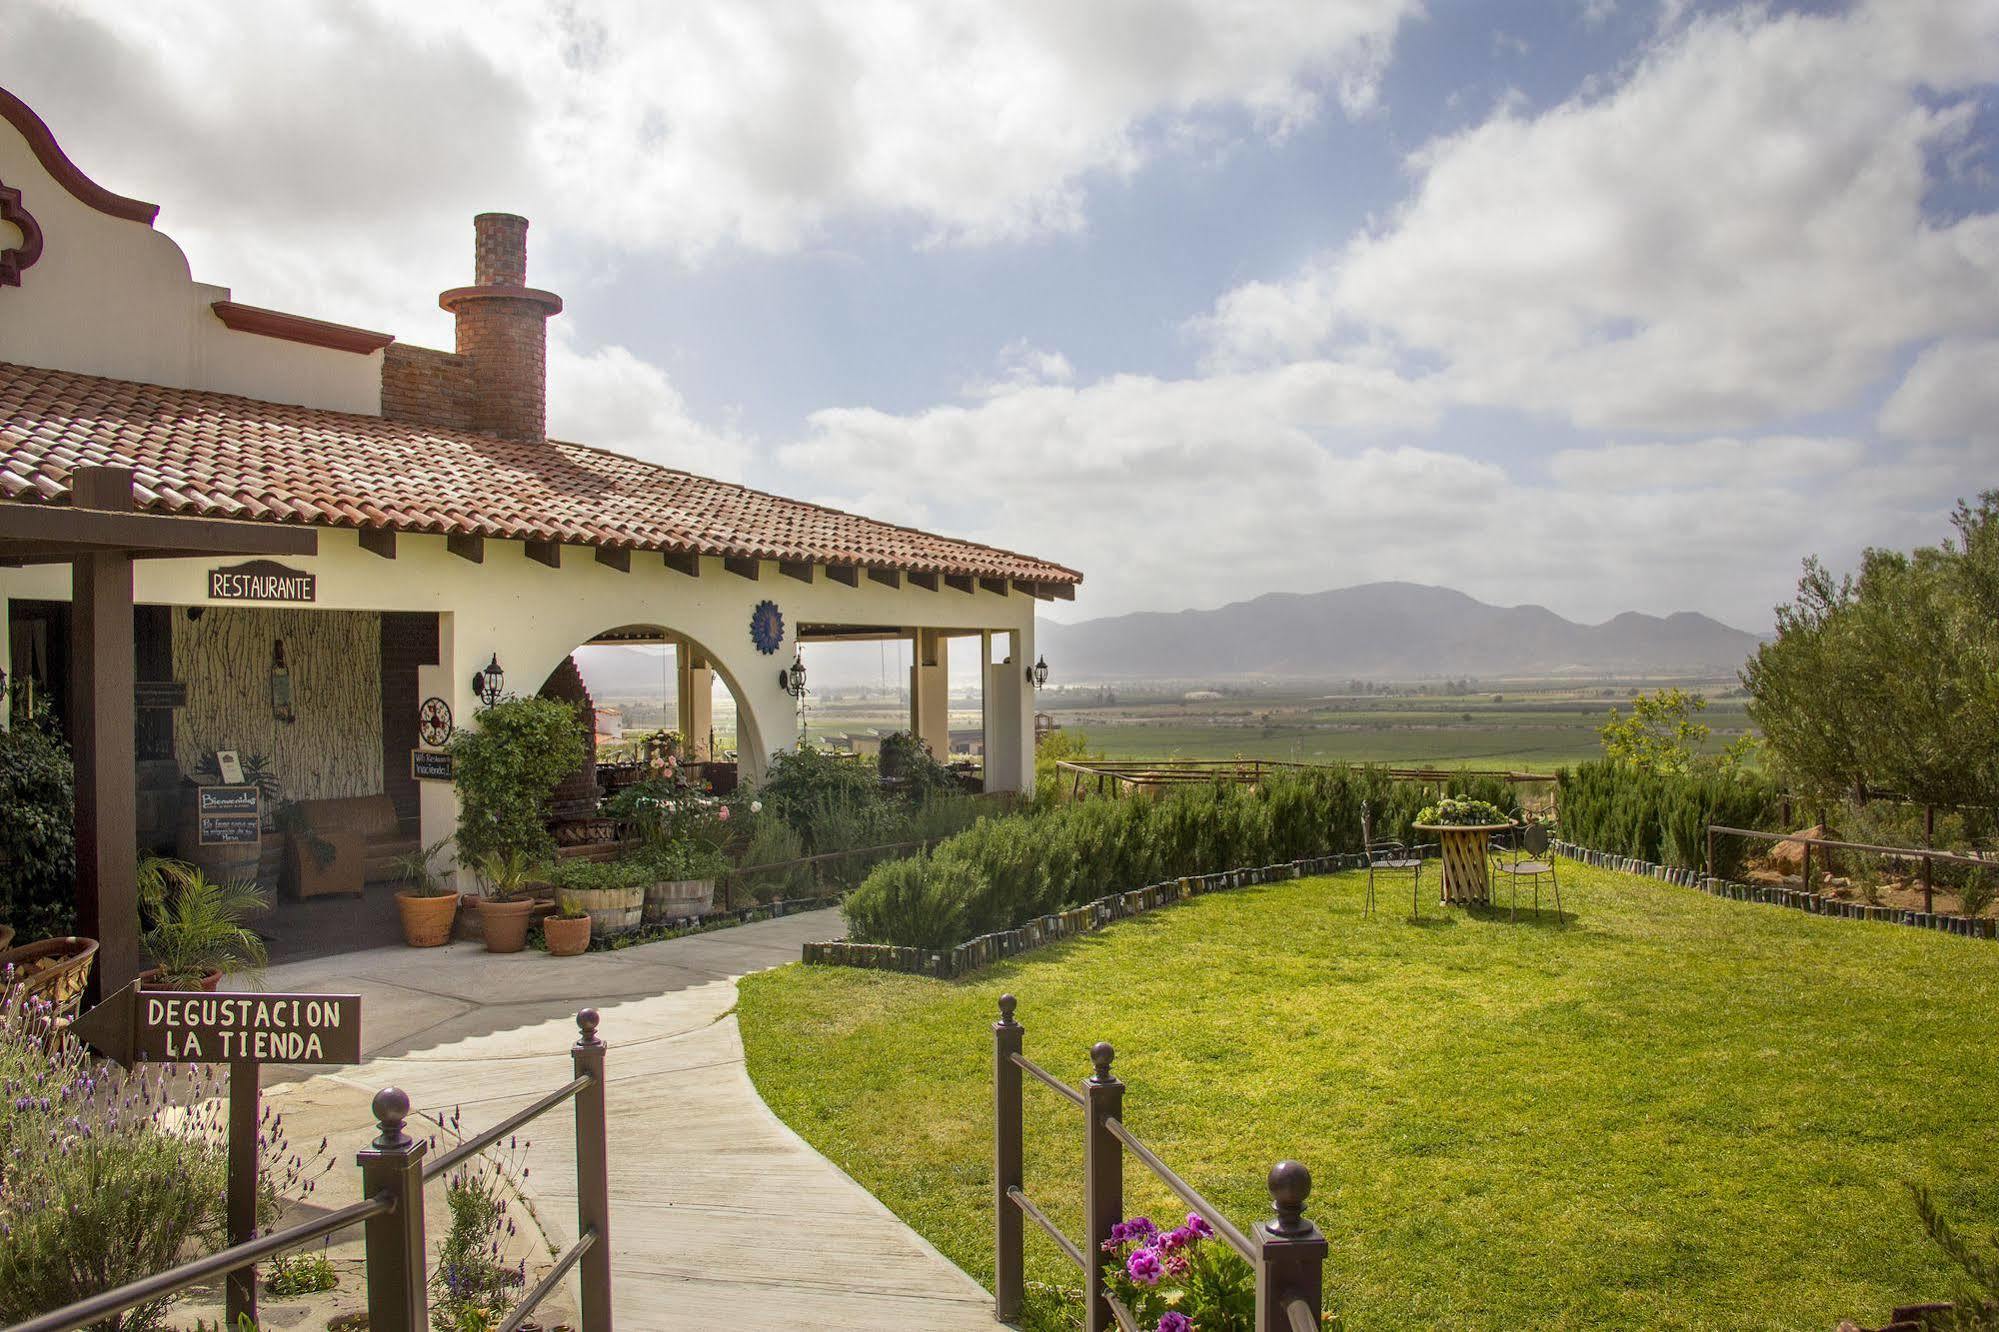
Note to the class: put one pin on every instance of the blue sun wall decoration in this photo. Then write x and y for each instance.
(767, 627)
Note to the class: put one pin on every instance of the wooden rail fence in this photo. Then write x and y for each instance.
(1287, 1253)
(393, 1173)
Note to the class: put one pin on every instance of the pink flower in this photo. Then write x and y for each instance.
(1143, 1267)
(723, 814)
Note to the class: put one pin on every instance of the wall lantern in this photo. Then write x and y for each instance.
(1037, 674)
(487, 684)
(281, 684)
(792, 678)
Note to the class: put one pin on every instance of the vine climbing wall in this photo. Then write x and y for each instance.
(334, 745)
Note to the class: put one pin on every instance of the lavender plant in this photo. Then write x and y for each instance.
(107, 1175)
(475, 1282)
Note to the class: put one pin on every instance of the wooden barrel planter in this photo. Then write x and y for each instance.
(611, 909)
(678, 899)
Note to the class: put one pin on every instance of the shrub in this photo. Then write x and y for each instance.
(37, 789)
(773, 842)
(506, 767)
(1663, 817)
(921, 902)
(907, 759)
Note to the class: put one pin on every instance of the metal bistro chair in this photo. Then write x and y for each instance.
(1531, 861)
(1391, 857)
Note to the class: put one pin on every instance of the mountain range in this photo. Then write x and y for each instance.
(1384, 631)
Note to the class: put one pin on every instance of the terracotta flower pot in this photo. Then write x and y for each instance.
(506, 924)
(427, 920)
(566, 937)
(149, 979)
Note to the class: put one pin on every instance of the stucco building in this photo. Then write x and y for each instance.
(453, 533)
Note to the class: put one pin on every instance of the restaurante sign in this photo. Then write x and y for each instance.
(262, 580)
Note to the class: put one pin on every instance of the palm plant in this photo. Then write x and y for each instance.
(416, 871)
(197, 924)
(506, 874)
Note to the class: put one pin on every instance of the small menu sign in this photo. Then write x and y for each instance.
(430, 765)
(228, 815)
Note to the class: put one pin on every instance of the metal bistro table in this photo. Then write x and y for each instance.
(1465, 849)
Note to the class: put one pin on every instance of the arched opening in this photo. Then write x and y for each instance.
(633, 686)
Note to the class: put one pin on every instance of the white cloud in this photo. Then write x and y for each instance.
(1734, 234)
(1704, 464)
(1950, 393)
(612, 399)
(327, 156)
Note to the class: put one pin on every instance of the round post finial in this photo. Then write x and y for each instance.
(391, 1107)
(1006, 1007)
(586, 1023)
(1290, 1186)
(1101, 1055)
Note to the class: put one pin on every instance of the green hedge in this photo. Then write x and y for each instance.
(1663, 817)
(1005, 871)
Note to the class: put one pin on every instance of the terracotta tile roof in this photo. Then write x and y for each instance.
(218, 455)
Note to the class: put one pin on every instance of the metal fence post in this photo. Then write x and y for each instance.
(1291, 1253)
(1009, 1275)
(398, 1294)
(1103, 1182)
(593, 1176)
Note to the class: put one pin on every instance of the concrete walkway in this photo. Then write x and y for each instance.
(721, 1216)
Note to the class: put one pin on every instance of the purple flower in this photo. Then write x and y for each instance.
(1143, 1267)
(1198, 1227)
(1140, 1227)
(1174, 1321)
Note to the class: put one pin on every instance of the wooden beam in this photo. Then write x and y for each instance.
(886, 577)
(544, 552)
(742, 568)
(848, 575)
(683, 561)
(80, 529)
(379, 541)
(1062, 591)
(799, 569)
(926, 581)
(994, 585)
(1032, 589)
(467, 546)
(962, 582)
(615, 557)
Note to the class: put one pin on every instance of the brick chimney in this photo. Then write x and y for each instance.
(503, 332)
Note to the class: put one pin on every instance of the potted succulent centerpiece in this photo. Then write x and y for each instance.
(196, 926)
(507, 908)
(568, 930)
(428, 906)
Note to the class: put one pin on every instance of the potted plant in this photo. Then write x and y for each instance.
(568, 930)
(679, 878)
(611, 893)
(197, 930)
(428, 906)
(507, 909)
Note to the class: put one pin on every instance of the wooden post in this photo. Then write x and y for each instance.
(1103, 1183)
(1929, 866)
(1009, 1274)
(1291, 1253)
(398, 1294)
(239, 1293)
(1710, 850)
(593, 1175)
(102, 738)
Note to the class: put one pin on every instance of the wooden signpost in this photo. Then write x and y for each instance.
(242, 1031)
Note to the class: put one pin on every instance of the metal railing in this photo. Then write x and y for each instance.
(1286, 1253)
(393, 1173)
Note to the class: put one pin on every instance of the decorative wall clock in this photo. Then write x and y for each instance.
(433, 721)
(767, 627)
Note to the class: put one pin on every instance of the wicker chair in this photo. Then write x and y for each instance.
(6, 936)
(54, 972)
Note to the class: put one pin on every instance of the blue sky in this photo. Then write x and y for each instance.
(1601, 304)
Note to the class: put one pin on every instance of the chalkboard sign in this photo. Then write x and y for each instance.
(430, 765)
(228, 815)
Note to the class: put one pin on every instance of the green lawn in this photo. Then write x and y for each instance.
(1676, 1113)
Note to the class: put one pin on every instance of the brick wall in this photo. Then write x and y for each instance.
(426, 387)
(504, 339)
(409, 640)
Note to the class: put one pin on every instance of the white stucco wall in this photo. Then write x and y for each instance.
(532, 616)
(114, 297)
